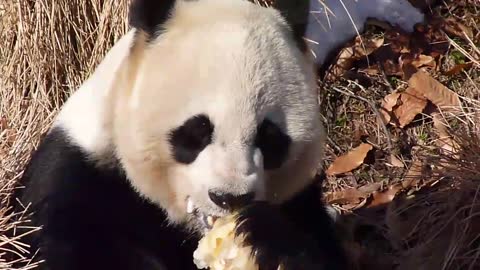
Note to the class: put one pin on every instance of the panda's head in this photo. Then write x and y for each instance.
(216, 106)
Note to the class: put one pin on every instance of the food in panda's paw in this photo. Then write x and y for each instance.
(219, 249)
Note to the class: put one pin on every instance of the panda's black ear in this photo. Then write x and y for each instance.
(296, 14)
(149, 15)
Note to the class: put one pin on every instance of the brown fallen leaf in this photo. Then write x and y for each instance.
(360, 49)
(433, 90)
(388, 103)
(349, 161)
(456, 28)
(440, 125)
(412, 103)
(408, 70)
(445, 141)
(386, 57)
(369, 188)
(384, 197)
(345, 196)
(391, 68)
(403, 106)
(414, 174)
(372, 70)
(399, 42)
(396, 162)
(410, 63)
(458, 68)
(430, 38)
(353, 207)
(352, 198)
(369, 45)
(424, 60)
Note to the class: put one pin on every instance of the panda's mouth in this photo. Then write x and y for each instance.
(204, 219)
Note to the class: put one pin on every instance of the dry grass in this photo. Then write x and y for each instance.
(434, 224)
(434, 227)
(49, 47)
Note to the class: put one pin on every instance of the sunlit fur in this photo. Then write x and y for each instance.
(239, 66)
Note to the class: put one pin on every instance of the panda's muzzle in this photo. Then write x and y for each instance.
(230, 201)
(207, 221)
(226, 201)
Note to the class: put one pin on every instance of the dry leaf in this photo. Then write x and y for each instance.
(392, 69)
(395, 162)
(414, 174)
(413, 103)
(424, 60)
(445, 142)
(408, 70)
(434, 91)
(369, 188)
(458, 68)
(372, 70)
(455, 28)
(399, 42)
(352, 197)
(345, 196)
(388, 103)
(429, 39)
(349, 161)
(368, 46)
(448, 146)
(440, 125)
(404, 106)
(384, 197)
(355, 206)
(350, 54)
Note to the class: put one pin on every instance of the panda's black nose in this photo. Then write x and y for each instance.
(230, 201)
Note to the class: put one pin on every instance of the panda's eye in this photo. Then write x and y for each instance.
(189, 139)
(273, 143)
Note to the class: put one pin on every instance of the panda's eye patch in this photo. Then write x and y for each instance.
(273, 143)
(189, 139)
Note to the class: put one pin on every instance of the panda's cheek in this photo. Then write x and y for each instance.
(200, 174)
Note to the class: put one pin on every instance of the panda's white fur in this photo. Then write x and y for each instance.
(86, 114)
(233, 61)
(240, 42)
(254, 73)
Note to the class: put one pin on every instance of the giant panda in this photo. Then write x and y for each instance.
(203, 108)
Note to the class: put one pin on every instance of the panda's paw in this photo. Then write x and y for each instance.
(274, 240)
